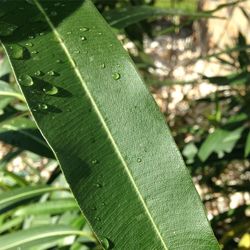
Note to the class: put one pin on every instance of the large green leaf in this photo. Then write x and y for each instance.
(105, 129)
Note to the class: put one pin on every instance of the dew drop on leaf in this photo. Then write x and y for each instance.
(94, 162)
(29, 44)
(83, 38)
(31, 37)
(7, 29)
(98, 218)
(16, 52)
(25, 80)
(42, 106)
(53, 13)
(84, 29)
(51, 73)
(69, 32)
(116, 76)
(105, 243)
(98, 185)
(58, 61)
(103, 66)
(139, 160)
(38, 73)
(34, 52)
(51, 90)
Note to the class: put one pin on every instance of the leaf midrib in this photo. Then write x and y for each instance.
(92, 100)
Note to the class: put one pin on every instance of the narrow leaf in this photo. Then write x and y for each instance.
(247, 146)
(35, 236)
(48, 207)
(121, 18)
(24, 193)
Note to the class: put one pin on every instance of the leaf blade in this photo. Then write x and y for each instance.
(112, 111)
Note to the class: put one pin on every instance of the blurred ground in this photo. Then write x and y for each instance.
(175, 59)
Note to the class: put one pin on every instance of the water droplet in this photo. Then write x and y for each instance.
(29, 44)
(139, 160)
(69, 32)
(53, 13)
(103, 66)
(98, 185)
(116, 76)
(94, 162)
(83, 38)
(31, 37)
(38, 73)
(41, 33)
(58, 61)
(7, 29)
(34, 52)
(98, 218)
(105, 243)
(52, 90)
(51, 73)
(84, 29)
(77, 51)
(16, 51)
(25, 80)
(42, 106)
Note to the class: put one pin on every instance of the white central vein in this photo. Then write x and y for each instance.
(77, 71)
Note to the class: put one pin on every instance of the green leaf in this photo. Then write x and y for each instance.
(36, 236)
(247, 146)
(4, 67)
(13, 222)
(7, 90)
(48, 207)
(21, 194)
(190, 150)
(221, 141)
(122, 18)
(231, 79)
(106, 131)
(23, 133)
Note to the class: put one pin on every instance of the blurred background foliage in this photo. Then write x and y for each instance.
(195, 59)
